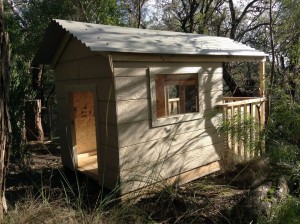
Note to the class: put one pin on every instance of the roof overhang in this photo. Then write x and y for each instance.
(127, 57)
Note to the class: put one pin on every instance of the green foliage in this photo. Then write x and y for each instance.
(282, 152)
(283, 136)
(295, 180)
(285, 117)
(26, 27)
(245, 130)
(289, 212)
(98, 11)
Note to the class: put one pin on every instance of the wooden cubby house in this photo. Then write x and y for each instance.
(139, 106)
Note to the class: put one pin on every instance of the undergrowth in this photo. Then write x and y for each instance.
(41, 211)
(197, 202)
(289, 213)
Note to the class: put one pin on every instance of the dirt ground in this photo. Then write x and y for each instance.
(216, 198)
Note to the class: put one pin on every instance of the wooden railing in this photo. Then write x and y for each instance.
(244, 119)
(173, 106)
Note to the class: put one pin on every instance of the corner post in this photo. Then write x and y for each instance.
(262, 78)
(263, 103)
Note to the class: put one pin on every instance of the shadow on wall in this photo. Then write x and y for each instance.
(149, 154)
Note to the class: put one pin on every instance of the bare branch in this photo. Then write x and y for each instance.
(241, 35)
(245, 11)
(17, 13)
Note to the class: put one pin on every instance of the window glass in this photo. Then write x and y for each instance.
(176, 94)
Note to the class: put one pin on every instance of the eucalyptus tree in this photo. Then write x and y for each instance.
(134, 12)
(287, 42)
(190, 16)
(284, 119)
(5, 128)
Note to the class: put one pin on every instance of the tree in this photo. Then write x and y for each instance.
(5, 129)
(192, 16)
(26, 22)
(284, 120)
(241, 22)
(134, 13)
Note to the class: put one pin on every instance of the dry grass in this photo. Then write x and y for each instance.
(38, 211)
(58, 197)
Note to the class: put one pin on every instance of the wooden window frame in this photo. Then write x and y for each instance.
(177, 118)
(180, 80)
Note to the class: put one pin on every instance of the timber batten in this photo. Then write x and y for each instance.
(106, 76)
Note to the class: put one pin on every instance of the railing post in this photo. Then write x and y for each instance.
(263, 106)
(262, 78)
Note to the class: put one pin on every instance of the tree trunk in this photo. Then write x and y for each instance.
(272, 72)
(5, 128)
(36, 130)
(33, 121)
(233, 86)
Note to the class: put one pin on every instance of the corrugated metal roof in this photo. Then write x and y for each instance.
(103, 38)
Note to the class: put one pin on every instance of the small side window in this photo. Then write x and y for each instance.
(176, 94)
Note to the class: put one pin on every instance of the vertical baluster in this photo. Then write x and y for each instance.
(232, 121)
(226, 142)
(253, 129)
(229, 123)
(257, 128)
(237, 130)
(262, 123)
(248, 131)
(245, 134)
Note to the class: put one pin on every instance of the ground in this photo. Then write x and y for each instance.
(217, 198)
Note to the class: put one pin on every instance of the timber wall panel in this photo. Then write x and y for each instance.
(178, 162)
(86, 68)
(128, 88)
(155, 171)
(129, 70)
(67, 71)
(168, 146)
(211, 81)
(108, 134)
(78, 67)
(105, 87)
(63, 118)
(125, 68)
(109, 165)
(139, 132)
(133, 110)
(76, 50)
(107, 112)
(210, 100)
(148, 152)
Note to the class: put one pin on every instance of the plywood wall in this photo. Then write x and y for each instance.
(149, 154)
(84, 121)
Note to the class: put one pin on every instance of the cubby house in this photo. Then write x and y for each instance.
(138, 106)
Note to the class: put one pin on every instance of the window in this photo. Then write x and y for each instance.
(174, 94)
